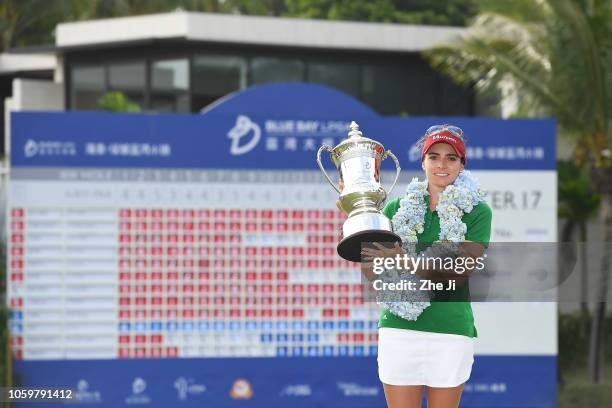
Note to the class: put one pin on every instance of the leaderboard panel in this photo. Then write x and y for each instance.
(102, 276)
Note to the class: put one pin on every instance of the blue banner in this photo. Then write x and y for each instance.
(496, 381)
(222, 141)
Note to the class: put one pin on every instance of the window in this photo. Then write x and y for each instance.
(276, 70)
(87, 86)
(215, 76)
(129, 78)
(454, 99)
(344, 77)
(402, 85)
(394, 90)
(170, 86)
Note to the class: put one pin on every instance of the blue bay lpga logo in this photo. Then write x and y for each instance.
(244, 135)
(287, 135)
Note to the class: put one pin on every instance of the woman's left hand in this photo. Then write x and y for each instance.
(381, 251)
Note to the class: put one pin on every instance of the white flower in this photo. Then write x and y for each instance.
(456, 200)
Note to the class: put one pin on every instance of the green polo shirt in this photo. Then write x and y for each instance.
(443, 317)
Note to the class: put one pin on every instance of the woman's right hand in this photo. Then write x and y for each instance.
(338, 203)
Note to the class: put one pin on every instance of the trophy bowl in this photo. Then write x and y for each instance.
(358, 161)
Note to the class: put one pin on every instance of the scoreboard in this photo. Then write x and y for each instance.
(158, 259)
(131, 269)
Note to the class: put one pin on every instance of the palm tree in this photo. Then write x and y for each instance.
(577, 204)
(554, 56)
(27, 22)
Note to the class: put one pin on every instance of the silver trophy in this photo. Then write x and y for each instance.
(358, 161)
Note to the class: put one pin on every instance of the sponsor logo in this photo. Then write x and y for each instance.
(138, 393)
(33, 148)
(444, 137)
(186, 387)
(494, 388)
(86, 396)
(356, 390)
(241, 389)
(246, 129)
(296, 390)
(284, 135)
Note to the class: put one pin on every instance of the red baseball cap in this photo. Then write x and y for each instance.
(444, 135)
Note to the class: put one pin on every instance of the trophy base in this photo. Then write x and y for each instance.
(350, 247)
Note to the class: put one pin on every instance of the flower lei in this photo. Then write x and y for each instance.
(457, 199)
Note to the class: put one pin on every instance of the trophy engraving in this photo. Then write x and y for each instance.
(358, 161)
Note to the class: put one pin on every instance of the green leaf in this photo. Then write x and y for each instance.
(117, 102)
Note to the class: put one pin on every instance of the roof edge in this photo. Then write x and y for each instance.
(254, 30)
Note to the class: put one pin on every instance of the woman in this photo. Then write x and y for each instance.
(431, 344)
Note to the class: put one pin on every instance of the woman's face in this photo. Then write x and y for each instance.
(442, 165)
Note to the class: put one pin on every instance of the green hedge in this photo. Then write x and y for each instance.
(574, 345)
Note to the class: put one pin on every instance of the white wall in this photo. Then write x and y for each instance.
(34, 94)
(31, 95)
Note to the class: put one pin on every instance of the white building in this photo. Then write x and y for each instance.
(181, 62)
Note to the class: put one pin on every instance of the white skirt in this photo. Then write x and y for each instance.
(410, 357)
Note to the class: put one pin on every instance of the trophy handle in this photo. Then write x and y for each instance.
(329, 149)
(397, 167)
